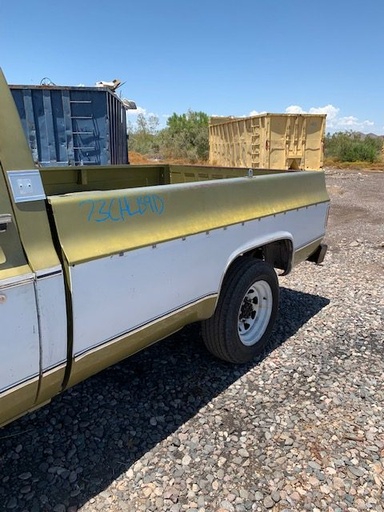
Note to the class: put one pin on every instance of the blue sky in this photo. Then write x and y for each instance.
(221, 57)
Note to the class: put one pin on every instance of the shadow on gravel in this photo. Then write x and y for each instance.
(72, 449)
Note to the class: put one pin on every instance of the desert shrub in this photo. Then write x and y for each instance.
(353, 147)
(186, 137)
(144, 135)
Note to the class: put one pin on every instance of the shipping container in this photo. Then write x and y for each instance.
(72, 125)
(268, 141)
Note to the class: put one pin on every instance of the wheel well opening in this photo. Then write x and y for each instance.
(278, 254)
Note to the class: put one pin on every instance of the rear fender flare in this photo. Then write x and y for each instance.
(277, 249)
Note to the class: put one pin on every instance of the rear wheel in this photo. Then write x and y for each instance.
(245, 313)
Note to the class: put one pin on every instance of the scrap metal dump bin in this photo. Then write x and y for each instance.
(268, 141)
(72, 125)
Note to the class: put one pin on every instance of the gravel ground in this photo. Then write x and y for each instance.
(173, 429)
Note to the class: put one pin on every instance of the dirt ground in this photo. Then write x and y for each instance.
(351, 224)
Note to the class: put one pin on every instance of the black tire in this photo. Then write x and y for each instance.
(239, 329)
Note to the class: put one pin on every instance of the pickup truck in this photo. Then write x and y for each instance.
(97, 263)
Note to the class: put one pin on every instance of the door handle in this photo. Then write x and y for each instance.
(5, 219)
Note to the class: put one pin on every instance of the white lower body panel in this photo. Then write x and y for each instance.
(114, 295)
(19, 339)
(33, 327)
(52, 319)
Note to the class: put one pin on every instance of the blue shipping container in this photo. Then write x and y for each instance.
(73, 125)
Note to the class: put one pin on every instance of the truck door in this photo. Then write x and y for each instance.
(19, 340)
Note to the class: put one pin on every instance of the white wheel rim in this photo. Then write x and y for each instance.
(255, 312)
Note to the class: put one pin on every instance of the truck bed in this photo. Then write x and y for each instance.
(64, 180)
(133, 207)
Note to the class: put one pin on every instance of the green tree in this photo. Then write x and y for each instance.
(186, 136)
(143, 136)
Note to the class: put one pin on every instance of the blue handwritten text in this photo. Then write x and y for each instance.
(122, 208)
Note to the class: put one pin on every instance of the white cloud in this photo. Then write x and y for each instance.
(334, 121)
(132, 117)
(331, 111)
(294, 109)
(256, 113)
(353, 123)
(137, 111)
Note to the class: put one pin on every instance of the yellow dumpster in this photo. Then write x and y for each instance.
(268, 141)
